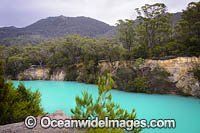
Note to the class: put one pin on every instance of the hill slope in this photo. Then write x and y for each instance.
(54, 27)
(58, 26)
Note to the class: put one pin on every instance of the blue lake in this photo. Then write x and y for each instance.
(60, 95)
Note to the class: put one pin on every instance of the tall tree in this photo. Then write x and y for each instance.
(188, 29)
(127, 33)
(154, 26)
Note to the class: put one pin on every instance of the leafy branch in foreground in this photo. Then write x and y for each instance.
(101, 107)
(17, 103)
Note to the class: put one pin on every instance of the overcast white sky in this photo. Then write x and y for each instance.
(21, 13)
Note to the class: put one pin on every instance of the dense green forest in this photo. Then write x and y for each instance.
(154, 36)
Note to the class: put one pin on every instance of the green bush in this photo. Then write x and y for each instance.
(103, 106)
(139, 84)
(123, 77)
(197, 73)
(17, 103)
(88, 72)
(158, 80)
(71, 73)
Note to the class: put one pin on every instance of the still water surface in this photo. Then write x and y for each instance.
(60, 95)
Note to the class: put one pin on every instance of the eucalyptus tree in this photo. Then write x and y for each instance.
(153, 24)
(188, 29)
(127, 33)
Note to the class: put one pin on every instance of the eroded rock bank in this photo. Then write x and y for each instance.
(181, 72)
(21, 128)
(41, 73)
(179, 68)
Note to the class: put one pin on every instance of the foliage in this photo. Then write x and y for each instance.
(64, 53)
(53, 27)
(131, 77)
(17, 103)
(140, 78)
(190, 22)
(158, 80)
(154, 27)
(127, 34)
(139, 83)
(188, 29)
(196, 71)
(139, 63)
(151, 35)
(71, 72)
(103, 106)
(123, 76)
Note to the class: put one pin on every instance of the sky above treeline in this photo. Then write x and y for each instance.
(21, 13)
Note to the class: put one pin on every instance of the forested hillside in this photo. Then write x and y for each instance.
(154, 36)
(56, 27)
(53, 27)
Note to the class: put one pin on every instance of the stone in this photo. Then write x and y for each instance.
(179, 68)
(20, 127)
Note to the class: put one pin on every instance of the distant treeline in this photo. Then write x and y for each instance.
(152, 36)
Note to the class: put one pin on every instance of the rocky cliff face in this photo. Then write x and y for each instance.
(181, 72)
(40, 73)
(58, 75)
(34, 74)
(179, 68)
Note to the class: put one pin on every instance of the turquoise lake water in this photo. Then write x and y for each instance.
(60, 95)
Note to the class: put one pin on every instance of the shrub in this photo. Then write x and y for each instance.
(158, 80)
(103, 106)
(17, 103)
(139, 84)
(88, 72)
(71, 73)
(196, 72)
(123, 76)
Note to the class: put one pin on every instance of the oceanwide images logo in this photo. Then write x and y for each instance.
(46, 122)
